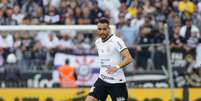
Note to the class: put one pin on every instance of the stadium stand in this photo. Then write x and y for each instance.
(139, 22)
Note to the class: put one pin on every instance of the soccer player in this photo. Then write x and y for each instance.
(114, 56)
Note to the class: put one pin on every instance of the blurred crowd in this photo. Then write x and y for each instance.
(143, 24)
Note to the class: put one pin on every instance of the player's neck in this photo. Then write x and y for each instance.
(108, 37)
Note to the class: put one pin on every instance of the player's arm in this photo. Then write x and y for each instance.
(127, 59)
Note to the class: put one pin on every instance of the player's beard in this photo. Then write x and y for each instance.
(105, 36)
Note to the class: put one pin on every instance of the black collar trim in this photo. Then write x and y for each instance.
(107, 38)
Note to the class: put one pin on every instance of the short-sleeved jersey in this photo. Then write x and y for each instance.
(109, 53)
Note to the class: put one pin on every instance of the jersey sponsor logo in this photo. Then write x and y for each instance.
(106, 77)
(104, 62)
(105, 66)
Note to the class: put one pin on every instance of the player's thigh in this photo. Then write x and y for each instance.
(119, 92)
(99, 90)
(90, 98)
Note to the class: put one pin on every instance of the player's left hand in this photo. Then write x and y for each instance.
(111, 70)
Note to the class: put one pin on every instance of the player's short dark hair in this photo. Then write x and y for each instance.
(104, 20)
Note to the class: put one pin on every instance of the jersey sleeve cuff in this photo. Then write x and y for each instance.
(123, 49)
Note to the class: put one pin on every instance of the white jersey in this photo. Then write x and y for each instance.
(109, 55)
